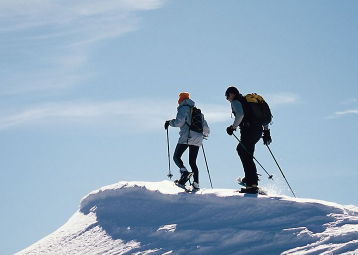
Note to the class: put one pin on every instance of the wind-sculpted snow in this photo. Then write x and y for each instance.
(159, 218)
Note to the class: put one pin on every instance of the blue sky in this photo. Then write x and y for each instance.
(86, 86)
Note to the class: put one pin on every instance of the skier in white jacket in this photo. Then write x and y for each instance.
(188, 138)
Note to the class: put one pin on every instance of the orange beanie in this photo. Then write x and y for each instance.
(183, 96)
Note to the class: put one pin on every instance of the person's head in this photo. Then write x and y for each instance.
(183, 96)
(231, 92)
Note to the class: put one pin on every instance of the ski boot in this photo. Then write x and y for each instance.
(241, 181)
(195, 186)
(185, 176)
(250, 190)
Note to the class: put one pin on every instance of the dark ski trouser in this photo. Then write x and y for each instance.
(249, 137)
(193, 154)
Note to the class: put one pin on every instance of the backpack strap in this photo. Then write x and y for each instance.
(244, 103)
(191, 113)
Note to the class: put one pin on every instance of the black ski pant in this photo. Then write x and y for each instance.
(193, 154)
(249, 137)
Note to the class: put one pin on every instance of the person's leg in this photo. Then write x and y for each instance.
(247, 162)
(193, 154)
(246, 150)
(179, 150)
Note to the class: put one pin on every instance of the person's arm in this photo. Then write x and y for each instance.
(180, 118)
(238, 112)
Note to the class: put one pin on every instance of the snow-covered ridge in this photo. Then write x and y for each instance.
(159, 218)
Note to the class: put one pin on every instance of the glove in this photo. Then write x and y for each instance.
(267, 137)
(166, 125)
(230, 130)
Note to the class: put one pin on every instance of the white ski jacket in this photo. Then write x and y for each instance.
(183, 120)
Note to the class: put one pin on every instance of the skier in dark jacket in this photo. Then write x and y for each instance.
(250, 135)
(188, 138)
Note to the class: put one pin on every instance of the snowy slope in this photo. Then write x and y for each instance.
(159, 218)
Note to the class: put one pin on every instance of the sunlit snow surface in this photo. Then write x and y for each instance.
(160, 218)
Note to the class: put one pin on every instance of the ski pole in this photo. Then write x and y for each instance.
(170, 173)
(206, 162)
(270, 175)
(280, 170)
